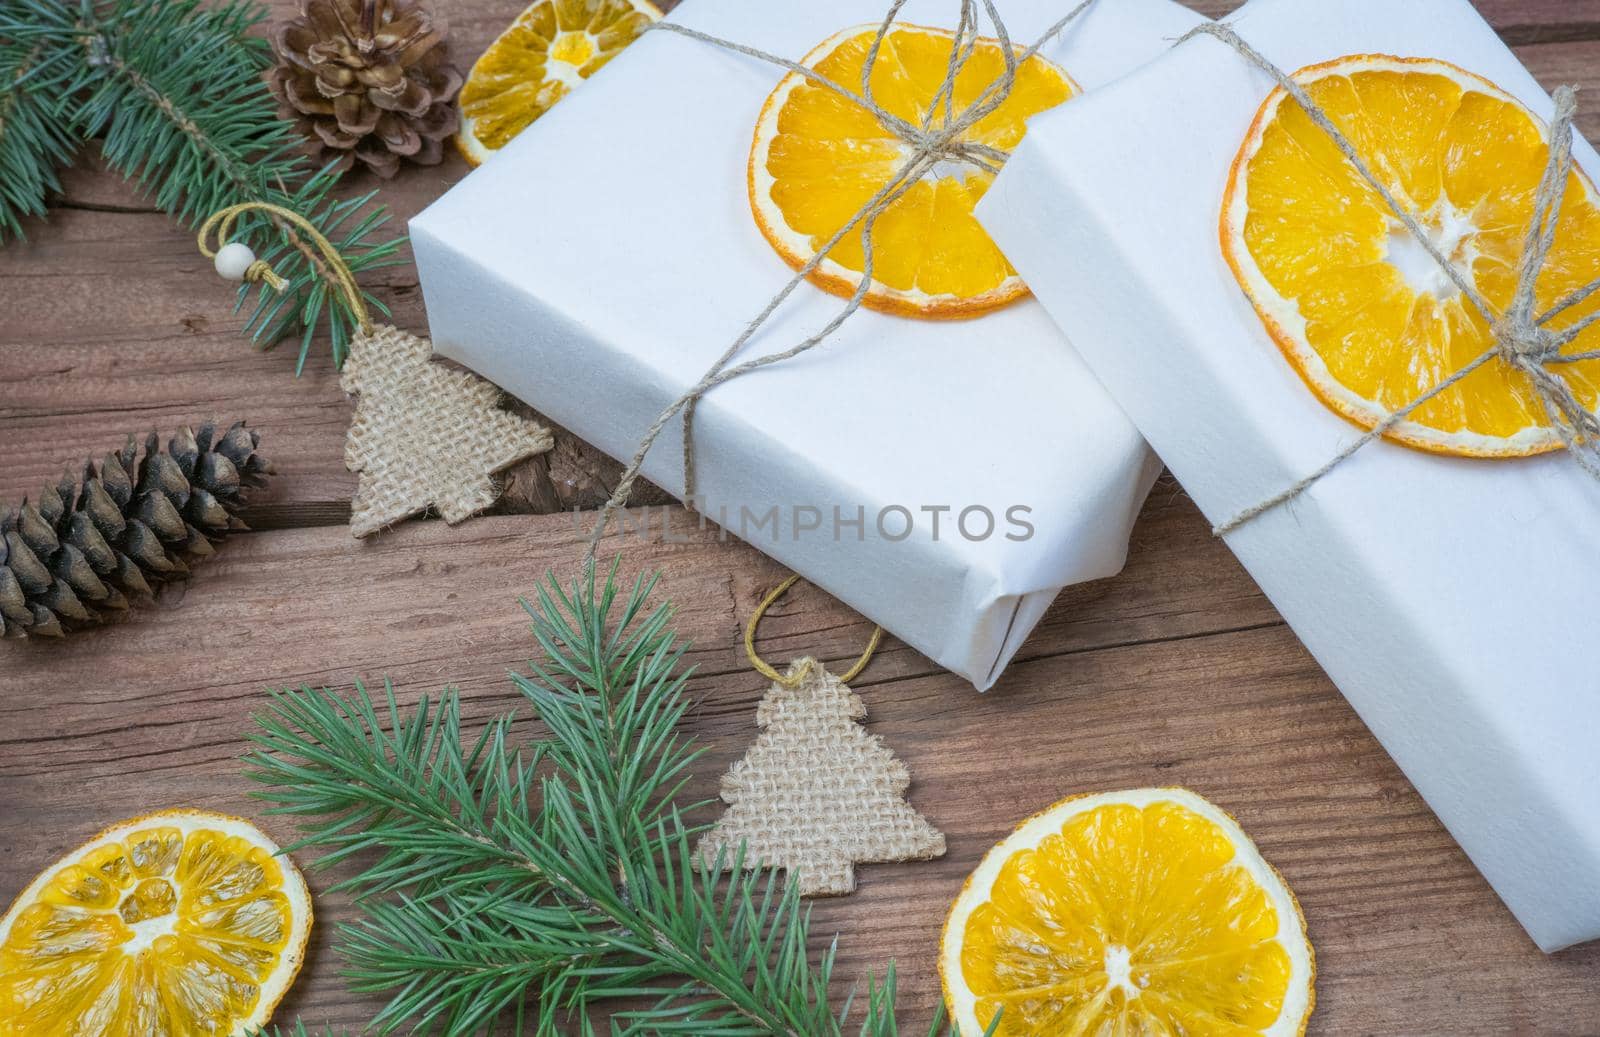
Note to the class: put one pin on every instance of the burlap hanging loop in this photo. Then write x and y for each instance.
(937, 138)
(1522, 338)
(801, 669)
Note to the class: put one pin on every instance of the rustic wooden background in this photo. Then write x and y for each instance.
(1176, 672)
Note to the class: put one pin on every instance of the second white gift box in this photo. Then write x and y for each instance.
(1451, 599)
(944, 478)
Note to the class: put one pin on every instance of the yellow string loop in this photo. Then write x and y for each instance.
(222, 222)
(799, 675)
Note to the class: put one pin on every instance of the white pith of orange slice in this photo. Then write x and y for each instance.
(552, 47)
(176, 923)
(1355, 303)
(818, 158)
(1146, 911)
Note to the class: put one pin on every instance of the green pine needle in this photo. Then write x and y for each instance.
(35, 140)
(174, 90)
(537, 887)
(350, 225)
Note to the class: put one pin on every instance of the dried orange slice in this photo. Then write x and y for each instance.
(177, 923)
(818, 158)
(1139, 912)
(552, 47)
(1355, 302)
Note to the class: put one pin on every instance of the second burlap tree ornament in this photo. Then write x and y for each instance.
(816, 794)
(424, 434)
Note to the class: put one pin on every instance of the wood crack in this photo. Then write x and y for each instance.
(136, 210)
(1557, 32)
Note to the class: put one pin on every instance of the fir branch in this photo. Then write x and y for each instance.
(35, 139)
(175, 90)
(405, 793)
(537, 888)
(199, 133)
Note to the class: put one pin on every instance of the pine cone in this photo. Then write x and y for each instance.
(369, 80)
(88, 546)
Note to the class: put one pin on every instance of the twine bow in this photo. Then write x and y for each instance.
(936, 138)
(1522, 339)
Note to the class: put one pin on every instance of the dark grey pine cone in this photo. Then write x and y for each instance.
(90, 547)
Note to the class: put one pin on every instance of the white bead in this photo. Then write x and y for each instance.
(233, 259)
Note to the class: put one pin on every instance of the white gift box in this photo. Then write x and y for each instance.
(600, 264)
(1453, 601)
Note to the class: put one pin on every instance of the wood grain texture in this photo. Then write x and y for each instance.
(1517, 21)
(1177, 672)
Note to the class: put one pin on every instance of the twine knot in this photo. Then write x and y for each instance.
(1525, 344)
(1522, 338)
(261, 270)
(937, 136)
(930, 146)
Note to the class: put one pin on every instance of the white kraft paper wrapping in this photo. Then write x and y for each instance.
(1453, 601)
(601, 263)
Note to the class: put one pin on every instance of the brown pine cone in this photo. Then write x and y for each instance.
(89, 545)
(368, 80)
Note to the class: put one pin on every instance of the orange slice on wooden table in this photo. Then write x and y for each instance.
(552, 47)
(177, 923)
(818, 158)
(1360, 309)
(1140, 912)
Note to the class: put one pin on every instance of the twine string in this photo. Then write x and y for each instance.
(1521, 338)
(927, 144)
(793, 680)
(221, 223)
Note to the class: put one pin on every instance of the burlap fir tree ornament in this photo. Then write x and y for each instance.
(423, 434)
(816, 794)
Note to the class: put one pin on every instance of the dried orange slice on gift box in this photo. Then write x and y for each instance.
(1139, 912)
(553, 46)
(818, 158)
(182, 922)
(1357, 305)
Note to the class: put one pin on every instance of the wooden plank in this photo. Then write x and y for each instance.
(1175, 673)
(1517, 21)
(1543, 21)
(112, 323)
